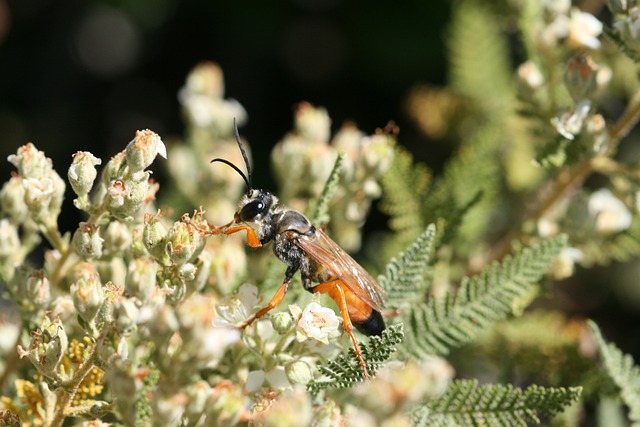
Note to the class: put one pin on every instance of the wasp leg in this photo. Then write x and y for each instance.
(334, 289)
(277, 298)
(252, 239)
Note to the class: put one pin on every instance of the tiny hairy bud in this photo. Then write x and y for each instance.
(30, 288)
(282, 322)
(125, 197)
(12, 200)
(87, 241)
(141, 277)
(87, 292)
(183, 243)
(154, 236)
(117, 238)
(82, 172)
(299, 372)
(48, 344)
(143, 149)
(580, 76)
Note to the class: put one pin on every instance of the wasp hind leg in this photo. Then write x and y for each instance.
(334, 289)
(275, 300)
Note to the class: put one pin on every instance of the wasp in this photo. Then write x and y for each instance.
(325, 268)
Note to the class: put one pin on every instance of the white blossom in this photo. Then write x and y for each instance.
(317, 322)
(569, 124)
(236, 310)
(610, 213)
(584, 29)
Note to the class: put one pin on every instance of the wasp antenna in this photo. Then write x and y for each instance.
(244, 155)
(235, 168)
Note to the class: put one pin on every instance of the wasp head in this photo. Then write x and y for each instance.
(255, 206)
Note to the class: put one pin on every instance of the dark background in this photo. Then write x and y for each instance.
(85, 75)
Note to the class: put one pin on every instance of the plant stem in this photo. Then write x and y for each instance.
(67, 391)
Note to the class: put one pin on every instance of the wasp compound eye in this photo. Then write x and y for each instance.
(251, 210)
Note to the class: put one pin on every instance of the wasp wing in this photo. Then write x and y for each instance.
(327, 253)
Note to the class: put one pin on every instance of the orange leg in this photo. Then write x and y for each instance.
(335, 291)
(252, 239)
(277, 299)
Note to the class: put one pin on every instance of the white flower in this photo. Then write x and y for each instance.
(564, 264)
(584, 29)
(610, 213)
(239, 308)
(317, 322)
(276, 377)
(569, 123)
(529, 74)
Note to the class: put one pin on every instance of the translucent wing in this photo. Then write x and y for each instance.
(327, 253)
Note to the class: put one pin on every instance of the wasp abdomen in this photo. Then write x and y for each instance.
(373, 325)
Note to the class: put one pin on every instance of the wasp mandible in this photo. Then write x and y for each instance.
(324, 266)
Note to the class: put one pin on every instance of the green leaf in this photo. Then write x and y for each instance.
(320, 213)
(446, 323)
(344, 370)
(467, 403)
(623, 371)
(404, 277)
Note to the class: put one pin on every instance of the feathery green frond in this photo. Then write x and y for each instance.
(454, 320)
(479, 58)
(344, 370)
(466, 403)
(404, 186)
(404, 277)
(624, 372)
(320, 212)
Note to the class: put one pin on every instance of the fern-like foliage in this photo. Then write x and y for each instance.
(624, 372)
(479, 58)
(446, 323)
(621, 247)
(320, 212)
(404, 277)
(466, 403)
(344, 370)
(404, 187)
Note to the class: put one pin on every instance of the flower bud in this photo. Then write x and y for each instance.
(87, 241)
(201, 276)
(580, 77)
(9, 419)
(628, 29)
(183, 243)
(141, 277)
(142, 150)
(47, 347)
(125, 197)
(282, 322)
(82, 172)
(529, 77)
(154, 236)
(299, 372)
(187, 271)
(313, 123)
(30, 162)
(9, 249)
(43, 197)
(30, 288)
(12, 200)
(114, 169)
(87, 292)
(126, 314)
(618, 6)
(117, 238)
(611, 215)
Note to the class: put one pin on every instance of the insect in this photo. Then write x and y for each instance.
(324, 266)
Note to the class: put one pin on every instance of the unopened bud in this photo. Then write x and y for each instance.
(87, 241)
(82, 172)
(141, 277)
(282, 322)
(9, 419)
(299, 372)
(580, 77)
(183, 243)
(125, 197)
(12, 200)
(187, 271)
(30, 162)
(126, 314)
(48, 344)
(43, 197)
(142, 150)
(154, 236)
(87, 292)
(9, 249)
(30, 288)
(114, 169)
(117, 238)
(628, 29)
(618, 6)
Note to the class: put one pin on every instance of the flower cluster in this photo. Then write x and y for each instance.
(303, 159)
